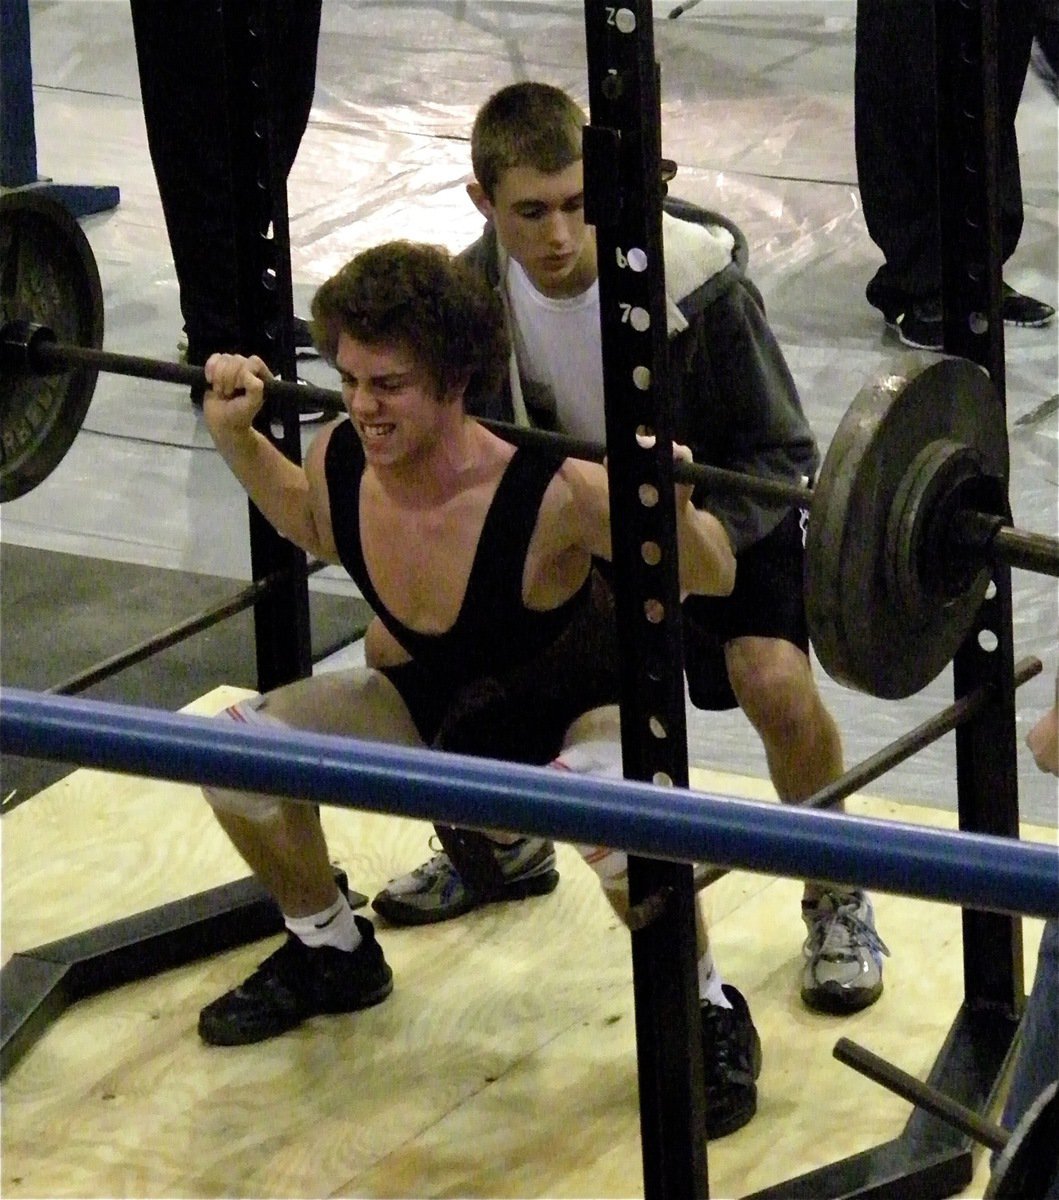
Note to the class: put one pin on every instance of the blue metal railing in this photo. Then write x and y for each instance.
(971, 870)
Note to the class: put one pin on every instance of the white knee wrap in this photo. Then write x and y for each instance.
(250, 805)
(612, 867)
(598, 755)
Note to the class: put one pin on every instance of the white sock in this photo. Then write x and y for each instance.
(711, 983)
(332, 927)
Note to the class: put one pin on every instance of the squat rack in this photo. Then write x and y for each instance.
(622, 160)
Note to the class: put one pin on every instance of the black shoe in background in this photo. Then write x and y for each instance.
(1024, 310)
(304, 346)
(917, 321)
(732, 1055)
(295, 983)
(919, 326)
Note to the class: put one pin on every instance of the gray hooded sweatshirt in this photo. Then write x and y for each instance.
(733, 399)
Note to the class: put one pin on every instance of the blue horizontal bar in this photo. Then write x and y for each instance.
(971, 870)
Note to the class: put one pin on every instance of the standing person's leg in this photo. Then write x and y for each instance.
(894, 116)
(1014, 42)
(895, 124)
(762, 627)
(330, 962)
(176, 47)
(1017, 20)
(186, 138)
(299, 35)
(895, 147)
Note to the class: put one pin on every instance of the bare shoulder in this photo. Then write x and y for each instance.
(576, 506)
(581, 482)
(580, 472)
(317, 451)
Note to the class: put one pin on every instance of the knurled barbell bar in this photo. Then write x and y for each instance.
(908, 513)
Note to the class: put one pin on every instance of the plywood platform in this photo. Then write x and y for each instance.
(503, 1064)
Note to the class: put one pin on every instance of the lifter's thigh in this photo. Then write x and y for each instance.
(357, 702)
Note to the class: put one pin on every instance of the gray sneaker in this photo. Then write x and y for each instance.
(843, 969)
(435, 891)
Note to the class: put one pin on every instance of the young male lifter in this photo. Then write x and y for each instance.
(495, 629)
(735, 404)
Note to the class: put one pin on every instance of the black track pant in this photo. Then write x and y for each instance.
(895, 129)
(178, 52)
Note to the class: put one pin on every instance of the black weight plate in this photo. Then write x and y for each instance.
(862, 638)
(1028, 1168)
(48, 276)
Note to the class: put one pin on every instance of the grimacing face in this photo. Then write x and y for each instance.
(540, 221)
(392, 401)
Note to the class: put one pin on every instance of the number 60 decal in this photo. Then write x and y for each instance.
(635, 260)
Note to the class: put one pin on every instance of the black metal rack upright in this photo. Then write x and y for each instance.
(623, 199)
(258, 200)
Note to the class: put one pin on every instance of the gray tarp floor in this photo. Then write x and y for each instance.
(757, 109)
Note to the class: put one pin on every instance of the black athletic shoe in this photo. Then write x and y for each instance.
(732, 1052)
(295, 983)
(919, 326)
(1025, 310)
(918, 323)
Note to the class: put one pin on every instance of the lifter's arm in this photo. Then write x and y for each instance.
(706, 561)
(278, 487)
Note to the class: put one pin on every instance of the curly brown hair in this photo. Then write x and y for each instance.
(419, 297)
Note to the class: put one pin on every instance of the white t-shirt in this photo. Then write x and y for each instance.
(557, 345)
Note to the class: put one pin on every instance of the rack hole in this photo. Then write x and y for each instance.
(654, 611)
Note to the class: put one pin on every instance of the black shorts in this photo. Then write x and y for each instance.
(425, 701)
(768, 601)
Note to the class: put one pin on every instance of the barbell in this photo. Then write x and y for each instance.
(908, 515)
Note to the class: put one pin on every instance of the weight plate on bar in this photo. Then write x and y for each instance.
(926, 568)
(863, 634)
(1028, 1168)
(48, 276)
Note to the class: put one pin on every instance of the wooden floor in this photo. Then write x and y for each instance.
(503, 1064)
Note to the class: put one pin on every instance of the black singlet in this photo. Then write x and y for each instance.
(494, 631)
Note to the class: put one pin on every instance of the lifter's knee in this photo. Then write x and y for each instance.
(593, 747)
(251, 806)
